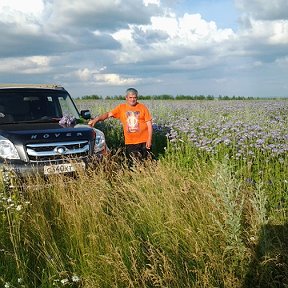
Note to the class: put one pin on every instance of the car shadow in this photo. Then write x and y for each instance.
(269, 265)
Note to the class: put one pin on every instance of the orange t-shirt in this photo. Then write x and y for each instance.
(133, 119)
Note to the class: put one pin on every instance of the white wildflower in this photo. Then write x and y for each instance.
(75, 278)
(7, 285)
(19, 208)
(64, 281)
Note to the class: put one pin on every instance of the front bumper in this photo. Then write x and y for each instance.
(14, 173)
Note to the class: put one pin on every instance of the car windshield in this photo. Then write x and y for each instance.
(22, 105)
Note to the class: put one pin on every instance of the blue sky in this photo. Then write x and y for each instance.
(207, 47)
(223, 12)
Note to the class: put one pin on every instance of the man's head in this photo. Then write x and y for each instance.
(131, 96)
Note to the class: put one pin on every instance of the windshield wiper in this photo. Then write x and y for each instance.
(40, 120)
(10, 122)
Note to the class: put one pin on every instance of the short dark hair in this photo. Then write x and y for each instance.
(132, 90)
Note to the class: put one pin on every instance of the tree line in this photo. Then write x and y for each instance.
(171, 97)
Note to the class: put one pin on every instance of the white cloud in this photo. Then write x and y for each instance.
(130, 53)
(84, 74)
(194, 27)
(268, 22)
(115, 79)
(98, 77)
(264, 10)
(183, 35)
(26, 65)
(148, 2)
(272, 32)
(23, 15)
(279, 33)
(34, 7)
(162, 23)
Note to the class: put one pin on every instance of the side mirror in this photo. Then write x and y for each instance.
(85, 114)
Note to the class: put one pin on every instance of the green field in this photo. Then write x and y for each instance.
(209, 211)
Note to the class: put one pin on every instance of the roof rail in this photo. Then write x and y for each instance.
(41, 86)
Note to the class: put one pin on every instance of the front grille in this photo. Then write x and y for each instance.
(49, 152)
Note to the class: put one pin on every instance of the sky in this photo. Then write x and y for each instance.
(175, 47)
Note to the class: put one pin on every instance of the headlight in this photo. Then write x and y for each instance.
(7, 149)
(100, 142)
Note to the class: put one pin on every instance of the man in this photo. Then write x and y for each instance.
(137, 124)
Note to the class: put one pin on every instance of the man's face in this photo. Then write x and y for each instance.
(131, 99)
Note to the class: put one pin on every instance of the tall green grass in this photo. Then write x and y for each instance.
(152, 226)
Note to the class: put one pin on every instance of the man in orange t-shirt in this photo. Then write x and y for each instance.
(137, 124)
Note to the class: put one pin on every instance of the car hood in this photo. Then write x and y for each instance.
(45, 132)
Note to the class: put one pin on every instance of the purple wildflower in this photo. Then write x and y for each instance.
(67, 120)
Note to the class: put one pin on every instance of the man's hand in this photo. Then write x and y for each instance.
(148, 144)
(92, 122)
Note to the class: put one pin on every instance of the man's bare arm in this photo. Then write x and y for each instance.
(102, 117)
(150, 130)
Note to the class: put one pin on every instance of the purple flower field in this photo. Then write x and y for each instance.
(243, 129)
(247, 128)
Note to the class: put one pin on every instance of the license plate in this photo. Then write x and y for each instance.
(63, 168)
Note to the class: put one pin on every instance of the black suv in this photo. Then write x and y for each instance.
(41, 131)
